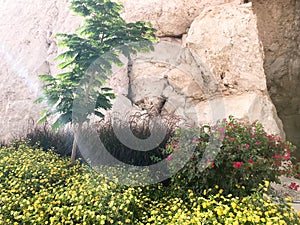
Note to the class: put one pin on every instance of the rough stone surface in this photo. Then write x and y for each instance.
(279, 30)
(192, 93)
(231, 49)
(208, 64)
(169, 17)
(27, 48)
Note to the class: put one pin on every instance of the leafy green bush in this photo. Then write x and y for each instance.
(40, 187)
(231, 154)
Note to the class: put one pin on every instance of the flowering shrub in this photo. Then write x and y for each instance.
(39, 187)
(231, 154)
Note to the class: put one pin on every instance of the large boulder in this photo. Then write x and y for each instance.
(233, 52)
(279, 28)
(169, 17)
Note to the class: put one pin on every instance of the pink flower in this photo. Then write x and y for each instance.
(222, 129)
(192, 156)
(237, 165)
(287, 156)
(231, 140)
(247, 146)
(257, 143)
(169, 158)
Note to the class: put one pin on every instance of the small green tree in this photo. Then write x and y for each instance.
(90, 54)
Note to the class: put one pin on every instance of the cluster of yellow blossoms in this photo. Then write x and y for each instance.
(40, 187)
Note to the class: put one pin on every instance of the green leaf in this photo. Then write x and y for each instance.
(46, 77)
(56, 125)
(39, 100)
(43, 119)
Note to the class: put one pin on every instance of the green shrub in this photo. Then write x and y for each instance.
(230, 154)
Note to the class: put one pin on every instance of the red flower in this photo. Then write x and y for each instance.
(237, 165)
(277, 156)
(212, 165)
(294, 186)
(287, 156)
(251, 161)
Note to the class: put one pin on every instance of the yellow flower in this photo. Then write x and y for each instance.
(233, 204)
(267, 183)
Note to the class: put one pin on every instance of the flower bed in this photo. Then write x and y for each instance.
(40, 187)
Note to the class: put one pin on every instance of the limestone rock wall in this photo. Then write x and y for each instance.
(169, 17)
(213, 74)
(27, 49)
(279, 30)
(208, 64)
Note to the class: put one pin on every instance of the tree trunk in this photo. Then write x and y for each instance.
(77, 133)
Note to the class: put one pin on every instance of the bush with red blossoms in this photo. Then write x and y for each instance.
(234, 155)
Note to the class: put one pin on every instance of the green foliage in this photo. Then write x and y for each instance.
(40, 187)
(244, 156)
(90, 54)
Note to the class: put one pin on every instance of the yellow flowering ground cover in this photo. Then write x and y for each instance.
(39, 187)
